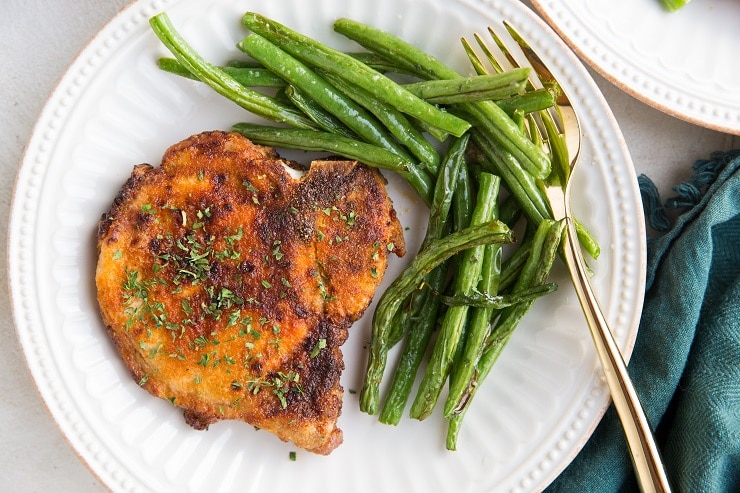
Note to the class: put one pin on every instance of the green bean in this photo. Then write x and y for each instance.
(525, 189)
(471, 346)
(323, 119)
(342, 65)
(378, 63)
(282, 96)
(587, 240)
(559, 151)
(483, 299)
(434, 132)
(467, 278)
(251, 100)
(315, 140)
(438, 223)
(485, 117)
(394, 49)
(500, 85)
(512, 266)
(463, 199)
(336, 103)
(673, 5)
(448, 180)
(246, 76)
(470, 97)
(535, 273)
(507, 135)
(370, 59)
(477, 330)
(454, 424)
(434, 254)
(518, 182)
(394, 121)
(539, 100)
(561, 174)
(539, 264)
(244, 64)
(504, 130)
(528, 102)
(510, 211)
(424, 322)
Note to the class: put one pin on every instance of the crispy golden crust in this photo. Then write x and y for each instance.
(228, 286)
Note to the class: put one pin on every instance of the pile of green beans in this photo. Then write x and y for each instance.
(460, 143)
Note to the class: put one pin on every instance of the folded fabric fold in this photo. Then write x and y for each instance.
(686, 361)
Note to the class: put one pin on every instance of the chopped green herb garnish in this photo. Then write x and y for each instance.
(320, 344)
(204, 359)
(186, 307)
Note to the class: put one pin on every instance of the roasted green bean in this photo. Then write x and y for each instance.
(449, 91)
(466, 279)
(251, 100)
(506, 132)
(323, 119)
(483, 299)
(394, 121)
(546, 243)
(424, 307)
(343, 65)
(246, 76)
(315, 140)
(409, 280)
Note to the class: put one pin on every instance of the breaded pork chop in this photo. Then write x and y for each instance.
(228, 285)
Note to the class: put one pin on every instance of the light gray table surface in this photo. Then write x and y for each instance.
(39, 40)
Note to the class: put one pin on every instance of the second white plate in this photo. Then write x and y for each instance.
(683, 63)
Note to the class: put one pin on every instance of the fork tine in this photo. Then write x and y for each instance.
(489, 54)
(534, 128)
(481, 69)
(544, 74)
(503, 48)
(552, 120)
(475, 60)
(545, 128)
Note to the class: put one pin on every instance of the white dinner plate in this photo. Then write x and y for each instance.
(114, 109)
(683, 63)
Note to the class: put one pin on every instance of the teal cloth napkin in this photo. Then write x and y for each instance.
(686, 361)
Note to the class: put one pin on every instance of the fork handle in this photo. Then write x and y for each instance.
(651, 476)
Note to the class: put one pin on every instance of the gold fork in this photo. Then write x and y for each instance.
(649, 469)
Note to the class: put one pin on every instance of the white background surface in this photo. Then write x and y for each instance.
(39, 40)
